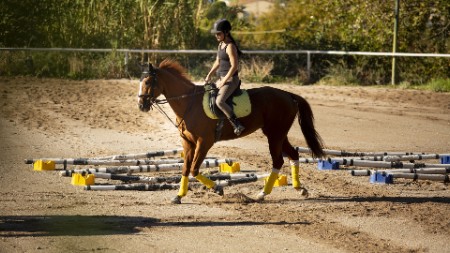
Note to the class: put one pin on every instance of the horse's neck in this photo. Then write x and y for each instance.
(178, 93)
(174, 87)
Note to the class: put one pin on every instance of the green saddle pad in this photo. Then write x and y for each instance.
(242, 105)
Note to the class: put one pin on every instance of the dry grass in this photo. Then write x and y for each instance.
(256, 70)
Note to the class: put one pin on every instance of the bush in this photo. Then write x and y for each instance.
(439, 85)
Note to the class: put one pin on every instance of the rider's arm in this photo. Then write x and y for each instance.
(213, 69)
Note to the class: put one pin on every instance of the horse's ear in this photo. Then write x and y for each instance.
(144, 67)
(150, 68)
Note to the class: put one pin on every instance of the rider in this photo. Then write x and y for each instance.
(226, 65)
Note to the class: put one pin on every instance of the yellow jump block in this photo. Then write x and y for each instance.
(280, 181)
(225, 168)
(78, 179)
(40, 165)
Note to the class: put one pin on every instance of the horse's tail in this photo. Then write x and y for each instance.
(306, 121)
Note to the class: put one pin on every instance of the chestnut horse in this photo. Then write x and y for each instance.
(273, 110)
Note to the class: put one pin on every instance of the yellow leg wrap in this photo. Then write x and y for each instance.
(183, 186)
(295, 176)
(206, 181)
(271, 181)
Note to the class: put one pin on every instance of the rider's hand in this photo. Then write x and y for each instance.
(219, 84)
(208, 78)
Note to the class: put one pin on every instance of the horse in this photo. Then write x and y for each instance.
(272, 110)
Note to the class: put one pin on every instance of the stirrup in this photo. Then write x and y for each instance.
(238, 129)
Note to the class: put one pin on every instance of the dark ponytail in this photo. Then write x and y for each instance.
(235, 44)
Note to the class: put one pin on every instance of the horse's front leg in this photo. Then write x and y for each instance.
(189, 152)
(194, 154)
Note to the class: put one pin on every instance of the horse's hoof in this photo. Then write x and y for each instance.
(176, 200)
(218, 190)
(260, 196)
(303, 192)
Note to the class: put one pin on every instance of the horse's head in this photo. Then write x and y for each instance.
(148, 89)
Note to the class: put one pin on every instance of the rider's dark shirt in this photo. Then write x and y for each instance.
(224, 61)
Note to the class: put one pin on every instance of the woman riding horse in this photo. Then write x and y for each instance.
(226, 65)
(272, 110)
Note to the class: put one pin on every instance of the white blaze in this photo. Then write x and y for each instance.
(140, 90)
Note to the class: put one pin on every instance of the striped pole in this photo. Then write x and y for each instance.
(146, 168)
(172, 179)
(345, 153)
(411, 170)
(375, 164)
(83, 161)
(416, 176)
(414, 157)
(243, 180)
(151, 154)
(157, 187)
(135, 187)
(90, 161)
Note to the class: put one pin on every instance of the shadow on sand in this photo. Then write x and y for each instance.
(77, 225)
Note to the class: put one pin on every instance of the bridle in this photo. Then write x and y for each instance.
(150, 99)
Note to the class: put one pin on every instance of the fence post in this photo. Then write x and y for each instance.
(394, 41)
(126, 62)
(308, 65)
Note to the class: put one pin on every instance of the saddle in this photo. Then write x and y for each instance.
(239, 101)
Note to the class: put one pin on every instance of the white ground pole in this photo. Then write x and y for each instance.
(84, 161)
(414, 176)
(347, 153)
(374, 164)
(411, 170)
(149, 168)
(151, 154)
(237, 179)
(171, 179)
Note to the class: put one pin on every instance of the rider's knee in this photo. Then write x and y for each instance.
(220, 103)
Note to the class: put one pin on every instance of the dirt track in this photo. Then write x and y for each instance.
(41, 212)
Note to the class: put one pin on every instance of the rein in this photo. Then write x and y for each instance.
(157, 102)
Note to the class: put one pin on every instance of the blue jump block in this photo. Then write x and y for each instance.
(326, 165)
(381, 178)
(445, 159)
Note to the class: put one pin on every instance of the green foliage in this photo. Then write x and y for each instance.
(353, 25)
(358, 25)
(439, 85)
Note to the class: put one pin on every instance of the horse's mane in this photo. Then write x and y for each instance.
(175, 68)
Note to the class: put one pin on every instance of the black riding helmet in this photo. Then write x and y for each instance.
(221, 25)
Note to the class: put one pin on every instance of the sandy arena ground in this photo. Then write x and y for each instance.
(43, 212)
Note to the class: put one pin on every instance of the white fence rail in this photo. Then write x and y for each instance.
(308, 53)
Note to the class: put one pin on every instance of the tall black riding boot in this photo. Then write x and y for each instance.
(238, 127)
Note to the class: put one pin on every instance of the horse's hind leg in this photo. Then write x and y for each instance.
(201, 150)
(294, 163)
